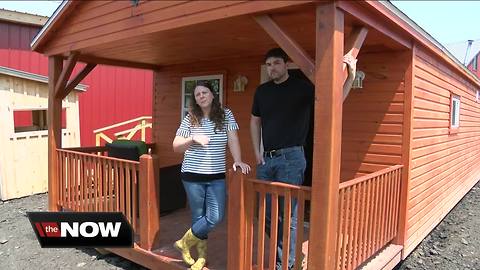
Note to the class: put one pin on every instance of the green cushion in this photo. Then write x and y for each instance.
(141, 145)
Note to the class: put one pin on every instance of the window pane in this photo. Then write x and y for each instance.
(22, 118)
(31, 120)
(455, 112)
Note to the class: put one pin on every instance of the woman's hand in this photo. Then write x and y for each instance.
(201, 139)
(243, 166)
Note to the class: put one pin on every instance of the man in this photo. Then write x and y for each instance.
(281, 112)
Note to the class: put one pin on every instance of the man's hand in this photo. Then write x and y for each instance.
(351, 65)
(260, 159)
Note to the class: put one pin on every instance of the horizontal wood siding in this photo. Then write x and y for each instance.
(373, 116)
(444, 166)
(167, 102)
(95, 22)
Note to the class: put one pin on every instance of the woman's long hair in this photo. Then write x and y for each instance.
(217, 113)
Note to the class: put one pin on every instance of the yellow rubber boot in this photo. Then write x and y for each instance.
(202, 255)
(184, 244)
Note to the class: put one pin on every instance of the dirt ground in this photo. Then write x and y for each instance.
(454, 244)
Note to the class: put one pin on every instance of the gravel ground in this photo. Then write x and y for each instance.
(454, 244)
(19, 248)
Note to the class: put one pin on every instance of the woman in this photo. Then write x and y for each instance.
(203, 136)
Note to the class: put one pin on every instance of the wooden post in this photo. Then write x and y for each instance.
(149, 194)
(406, 152)
(327, 136)
(54, 120)
(236, 221)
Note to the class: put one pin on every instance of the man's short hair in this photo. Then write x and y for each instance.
(278, 53)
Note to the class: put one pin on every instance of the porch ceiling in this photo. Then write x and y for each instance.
(233, 37)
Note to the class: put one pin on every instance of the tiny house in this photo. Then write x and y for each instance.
(24, 131)
(389, 160)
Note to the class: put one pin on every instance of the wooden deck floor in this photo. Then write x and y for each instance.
(172, 228)
(174, 225)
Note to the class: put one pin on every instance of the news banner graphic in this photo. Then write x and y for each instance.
(86, 229)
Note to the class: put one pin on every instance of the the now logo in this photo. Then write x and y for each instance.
(91, 229)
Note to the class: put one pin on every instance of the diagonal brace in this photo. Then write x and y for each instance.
(66, 72)
(78, 78)
(352, 47)
(292, 48)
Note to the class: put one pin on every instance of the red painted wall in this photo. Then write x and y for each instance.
(114, 94)
(470, 66)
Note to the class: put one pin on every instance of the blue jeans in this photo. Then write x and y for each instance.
(287, 167)
(207, 203)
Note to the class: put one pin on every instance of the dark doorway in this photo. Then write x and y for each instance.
(308, 147)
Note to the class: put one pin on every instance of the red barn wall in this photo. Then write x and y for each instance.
(114, 94)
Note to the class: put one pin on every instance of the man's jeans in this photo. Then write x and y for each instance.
(207, 203)
(287, 167)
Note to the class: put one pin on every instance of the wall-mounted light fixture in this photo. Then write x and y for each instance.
(240, 83)
(358, 81)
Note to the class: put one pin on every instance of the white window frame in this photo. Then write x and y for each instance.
(184, 104)
(455, 112)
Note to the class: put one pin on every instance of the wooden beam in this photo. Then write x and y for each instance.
(149, 203)
(327, 136)
(54, 120)
(356, 10)
(292, 48)
(406, 152)
(66, 72)
(153, 20)
(353, 45)
(236, 230)
(78, 78)
(114, 62)
(355, 41)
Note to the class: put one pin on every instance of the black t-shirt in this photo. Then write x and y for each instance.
(285, 110)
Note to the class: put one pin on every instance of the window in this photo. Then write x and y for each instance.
(188, 85)
(454, 113)
(34, 120)
(475, 62)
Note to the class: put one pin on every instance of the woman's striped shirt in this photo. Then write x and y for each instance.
(210, 159)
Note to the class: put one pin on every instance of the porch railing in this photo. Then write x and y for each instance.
(97, 183)
(94, 183)
(368, 216)
(141, 124)
(247, 214)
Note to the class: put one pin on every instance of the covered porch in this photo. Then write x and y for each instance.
(349, 213)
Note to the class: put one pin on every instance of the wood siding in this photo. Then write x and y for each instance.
(373, 116)
(444, 166)
(23, 166)
(95, 22)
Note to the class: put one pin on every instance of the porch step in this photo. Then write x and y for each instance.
(385, 259)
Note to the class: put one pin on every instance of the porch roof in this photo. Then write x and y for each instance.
(153, 34)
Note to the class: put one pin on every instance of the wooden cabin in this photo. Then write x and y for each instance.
(390, 160)
(24, 131)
